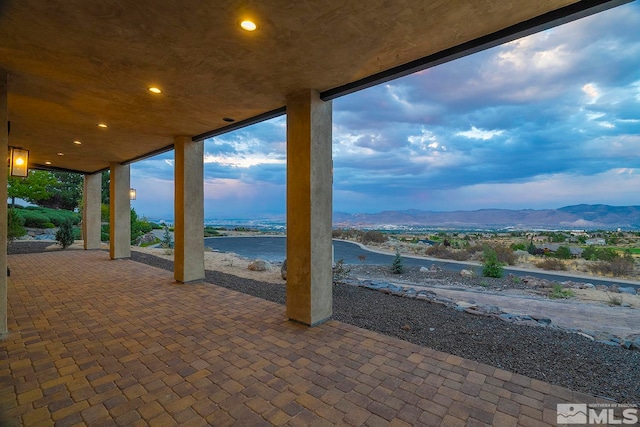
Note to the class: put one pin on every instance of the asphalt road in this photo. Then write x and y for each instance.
(273, 248)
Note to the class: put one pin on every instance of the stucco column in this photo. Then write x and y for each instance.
(91, 215)
(119, 212)
(309, 208)
(188, 263)
(4, 147)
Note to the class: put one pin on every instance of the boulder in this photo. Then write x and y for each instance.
(466, 273)
(629, 290)
(424, 270)
(283, 270)
(259, 265)
(145, 239)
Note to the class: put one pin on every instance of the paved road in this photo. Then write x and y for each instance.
(273, 248)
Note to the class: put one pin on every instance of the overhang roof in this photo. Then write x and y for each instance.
(73, 64)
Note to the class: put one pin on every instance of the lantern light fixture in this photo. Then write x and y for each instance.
(19, 162)
(132, 194)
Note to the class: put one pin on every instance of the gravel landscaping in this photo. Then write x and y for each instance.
(561, 358)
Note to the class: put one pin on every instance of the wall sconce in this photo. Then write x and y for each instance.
(132, 194)
(19, 164)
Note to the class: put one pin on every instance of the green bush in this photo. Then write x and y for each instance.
(38, 217)
(34, 219)
(15, 225)
(557, 292)
(104, 233)
(64, 235)
(491, 267)
(563, 252)
(397, 266)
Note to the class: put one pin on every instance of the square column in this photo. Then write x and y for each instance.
(91, 218)
(188, 265)
(4, 147)
(309, 208)
(119, 212)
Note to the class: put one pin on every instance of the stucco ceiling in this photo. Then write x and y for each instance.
(73, 64)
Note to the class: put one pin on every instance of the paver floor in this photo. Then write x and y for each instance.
(95, 341)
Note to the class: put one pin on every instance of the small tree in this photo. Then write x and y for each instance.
(563, 252)
(64, 235)
(491, 267)
(397, 266)
(166, 238)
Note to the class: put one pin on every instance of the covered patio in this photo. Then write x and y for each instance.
(93, 338)
(90, 344)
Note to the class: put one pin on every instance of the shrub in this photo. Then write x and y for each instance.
(340, 272)
(15, 225)
(621, 266)
(491, 267)
(557, 292)
(64, 235)
(551, 264)
(563, 252)
(396, 266)
(373, 236)
(104, 232)
(166, 239)
(34, 219)
(438, 251)
(505, 254)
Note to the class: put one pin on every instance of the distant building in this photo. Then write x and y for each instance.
(596, 241)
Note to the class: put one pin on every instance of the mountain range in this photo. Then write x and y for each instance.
(568, 217)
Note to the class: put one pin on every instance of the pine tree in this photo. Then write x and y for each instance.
(64, 235)
(397, 267)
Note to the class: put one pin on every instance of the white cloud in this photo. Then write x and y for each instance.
(243, 161)
(482, 134)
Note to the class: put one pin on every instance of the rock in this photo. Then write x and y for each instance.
(259, 265)
(589, 286)
(466, 273)
(435, 268)
(283, 270)
(542, 320)
(145, 239)
(614, 288)
(424, 270)
(629, 290)
(585, 335)
(465, 304)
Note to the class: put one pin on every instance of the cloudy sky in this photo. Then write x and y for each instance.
(542, 122)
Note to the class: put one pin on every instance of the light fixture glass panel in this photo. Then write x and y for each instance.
(19, 162)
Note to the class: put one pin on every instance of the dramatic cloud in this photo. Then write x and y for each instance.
(548, 120)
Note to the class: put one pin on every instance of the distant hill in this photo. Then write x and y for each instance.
(568, 217)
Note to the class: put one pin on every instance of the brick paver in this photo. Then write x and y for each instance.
(95, 341)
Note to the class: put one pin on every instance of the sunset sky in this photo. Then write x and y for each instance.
(545, 121)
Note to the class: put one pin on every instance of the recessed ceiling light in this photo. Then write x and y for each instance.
(60, 154)
(229, 119)
(102, 125)
(248, 25)
(47, 162)
(155, 90)
(77, 142)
